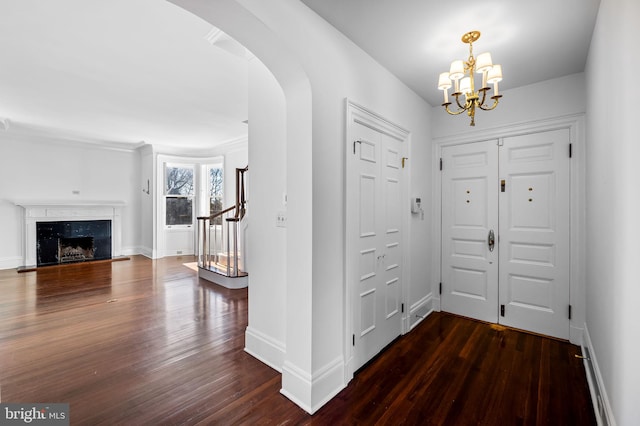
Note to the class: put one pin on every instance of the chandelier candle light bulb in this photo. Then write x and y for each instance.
(462, 75)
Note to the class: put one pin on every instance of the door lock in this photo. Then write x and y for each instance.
(491, 240)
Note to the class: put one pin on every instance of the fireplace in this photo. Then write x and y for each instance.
(76, 249)
(45, 212)
(72, 241)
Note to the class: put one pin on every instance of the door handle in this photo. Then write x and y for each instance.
(491, 240)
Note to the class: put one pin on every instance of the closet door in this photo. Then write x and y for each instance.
(375, 193)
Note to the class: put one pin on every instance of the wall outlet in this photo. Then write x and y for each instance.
(281, 220)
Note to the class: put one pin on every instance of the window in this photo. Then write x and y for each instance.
(215, 183)
(179, 194)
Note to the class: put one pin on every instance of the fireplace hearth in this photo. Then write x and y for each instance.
(73, 241)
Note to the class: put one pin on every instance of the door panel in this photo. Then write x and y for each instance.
(528, 271)
(535, 232)
(377, 170)
(469, 212)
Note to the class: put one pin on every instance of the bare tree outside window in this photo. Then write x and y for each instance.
(179, 195)
(215, 193)
(179, 181)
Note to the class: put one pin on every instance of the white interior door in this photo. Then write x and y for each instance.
(375, 196)
(535, 233)
(520, 188)
(469, 215)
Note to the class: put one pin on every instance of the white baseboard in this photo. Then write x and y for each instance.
(11, 262)
(420, 310)
(599, 397)
(131, 251)
(576, 335)
(264, 348)
(311, 392)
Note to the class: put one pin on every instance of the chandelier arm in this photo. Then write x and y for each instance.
(484, 96)
(463, 107)
(495, 104)
(458, 112)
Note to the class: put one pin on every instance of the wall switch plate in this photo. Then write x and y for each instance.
(281, 220)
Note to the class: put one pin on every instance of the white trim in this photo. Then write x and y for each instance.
(420, 311)
(303, 389)
(355, 112)
(28, 131)
(233, 283)
(575, 124)
(11, 262)
(146, 252)
(264, 348)
(62, 210)
(592, 370)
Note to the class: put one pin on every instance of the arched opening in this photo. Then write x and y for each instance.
(287, 346)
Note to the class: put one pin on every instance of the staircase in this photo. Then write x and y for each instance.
(219, 246)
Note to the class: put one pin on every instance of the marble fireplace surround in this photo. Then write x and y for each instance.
(57, 210)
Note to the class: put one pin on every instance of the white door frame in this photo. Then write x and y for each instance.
(356, 112)
(575, 124)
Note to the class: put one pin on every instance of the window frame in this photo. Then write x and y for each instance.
(192, 196)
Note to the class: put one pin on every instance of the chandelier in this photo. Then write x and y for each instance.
(462, 75)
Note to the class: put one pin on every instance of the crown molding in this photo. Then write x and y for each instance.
(4, 123)
(28, 131)
(34, 132)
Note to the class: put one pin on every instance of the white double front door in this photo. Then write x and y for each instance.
(506, 231)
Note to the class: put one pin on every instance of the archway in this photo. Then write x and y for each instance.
(296, 354)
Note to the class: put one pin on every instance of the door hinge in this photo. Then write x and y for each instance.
(570, 150)
(440, 163)
(569, 311)
(402, 307)
(440, 289)
(501, 310)
(503, 185)
(354, 145)
(354, 339)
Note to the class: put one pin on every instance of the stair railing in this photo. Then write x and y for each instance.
(218, 247)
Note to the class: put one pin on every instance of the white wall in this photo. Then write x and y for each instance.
(44, 167)
(267, 184)
(147, 201)
(613, 209)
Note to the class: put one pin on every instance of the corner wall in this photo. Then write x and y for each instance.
(613, 210)
(267, 186)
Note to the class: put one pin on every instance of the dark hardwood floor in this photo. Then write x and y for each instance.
(144, 342)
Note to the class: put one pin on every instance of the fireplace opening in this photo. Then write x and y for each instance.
(72, 241)
(77, 249)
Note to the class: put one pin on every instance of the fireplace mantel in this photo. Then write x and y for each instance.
(68, 203)
(68, 210)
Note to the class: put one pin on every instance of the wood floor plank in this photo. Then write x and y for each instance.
(145, 342)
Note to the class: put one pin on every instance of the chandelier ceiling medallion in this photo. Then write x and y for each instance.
(462, 75)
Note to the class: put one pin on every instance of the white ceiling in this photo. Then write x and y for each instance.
(120, 71)
(417, 39)
(128, 71)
